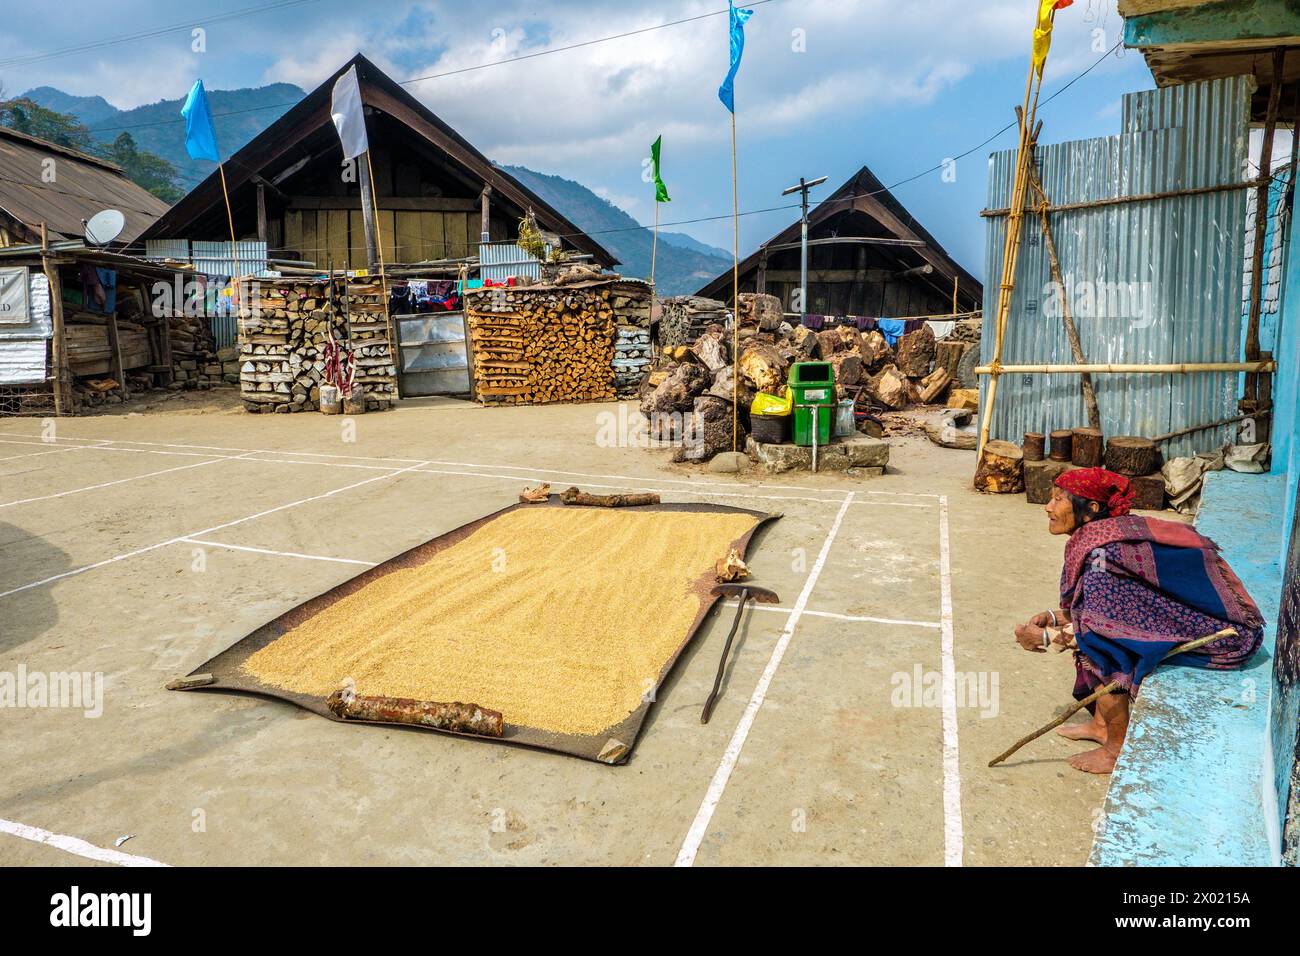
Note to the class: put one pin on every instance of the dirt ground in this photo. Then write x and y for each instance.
(137, 545)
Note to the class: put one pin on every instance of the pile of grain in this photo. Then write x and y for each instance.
(560, 618)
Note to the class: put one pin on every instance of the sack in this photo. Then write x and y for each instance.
(765, 404)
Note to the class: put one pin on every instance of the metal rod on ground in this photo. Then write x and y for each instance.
(1101, 692)
(1071, 332)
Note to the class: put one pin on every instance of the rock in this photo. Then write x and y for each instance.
(915, 353)
(728, 462)
(859, 456)
(890, 387)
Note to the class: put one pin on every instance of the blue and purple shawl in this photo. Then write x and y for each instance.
(1138, 587)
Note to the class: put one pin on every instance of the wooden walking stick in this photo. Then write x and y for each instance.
(1102, 692)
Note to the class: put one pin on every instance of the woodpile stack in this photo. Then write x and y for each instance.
(538, 344)
(685, 317)
(194, 353)
(284, 331)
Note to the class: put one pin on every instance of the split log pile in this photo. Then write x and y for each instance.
(283, 335)
(194, 352)
(685, 317)
(539, 344)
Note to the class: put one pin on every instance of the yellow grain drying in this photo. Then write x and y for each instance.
(560, 618)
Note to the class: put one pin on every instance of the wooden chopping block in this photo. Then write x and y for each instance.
(1132, 456)
(1033, 446)
(1040, 477)
(1086, 446)
(1062, 445)
(1149, 492)
(1001, 469)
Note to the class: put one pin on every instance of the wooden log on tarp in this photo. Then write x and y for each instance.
(1001, 469)
(1033, 446)
(457, 717)
(1132, 455)
(1086, 447)
(575, 496)
(1062, 445)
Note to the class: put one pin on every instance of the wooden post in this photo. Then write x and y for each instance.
(1261, 221)
(261, 212)
(1067, 317)
(115, 354)
(59, 342)
(485, 214)
(368, 211)
(760, 285)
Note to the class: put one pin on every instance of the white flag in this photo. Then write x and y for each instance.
(349, 118)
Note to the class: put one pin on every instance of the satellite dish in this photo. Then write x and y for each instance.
(104, 227)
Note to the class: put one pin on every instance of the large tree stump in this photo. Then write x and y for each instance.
(1086, 447)
(1001, 469)
(1132, 456)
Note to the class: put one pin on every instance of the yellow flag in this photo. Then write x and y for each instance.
(1043, 31)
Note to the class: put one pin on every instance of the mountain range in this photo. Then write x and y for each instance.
(682, 264)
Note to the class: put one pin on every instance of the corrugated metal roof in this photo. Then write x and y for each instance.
(1148, 281)
(82, 186)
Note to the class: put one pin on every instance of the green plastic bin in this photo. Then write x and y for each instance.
(813, 384)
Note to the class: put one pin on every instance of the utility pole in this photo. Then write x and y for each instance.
(802, 189)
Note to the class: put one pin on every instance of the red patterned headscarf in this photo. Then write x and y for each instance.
(1098, 484)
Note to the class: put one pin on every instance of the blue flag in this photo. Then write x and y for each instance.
(200, 137)
(727, 92)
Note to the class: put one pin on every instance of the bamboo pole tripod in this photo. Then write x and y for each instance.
(1011, 243)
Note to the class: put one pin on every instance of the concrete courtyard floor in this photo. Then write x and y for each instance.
(139, 545)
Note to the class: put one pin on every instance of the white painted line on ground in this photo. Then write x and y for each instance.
(695, 836)
(119, 481)
(199, 534)
(692, 482)
(952, 823)
(278, 554)
(38, 454)
(75, 845)
(854, 618)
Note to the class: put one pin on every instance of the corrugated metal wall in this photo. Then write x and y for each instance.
(501, 260)
(1149, 281)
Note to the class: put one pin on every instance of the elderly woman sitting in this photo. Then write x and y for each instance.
(1132, 589)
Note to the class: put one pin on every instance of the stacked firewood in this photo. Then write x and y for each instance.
(284, 333)
(685, 317)
(545, 343)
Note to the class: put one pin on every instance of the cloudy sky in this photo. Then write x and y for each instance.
(826, 86)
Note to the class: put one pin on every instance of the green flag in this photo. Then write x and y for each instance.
(661, 191)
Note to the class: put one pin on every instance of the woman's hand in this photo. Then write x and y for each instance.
(1041, 619)
(1030, 636)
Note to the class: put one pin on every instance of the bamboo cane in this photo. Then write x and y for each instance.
(654, 244)
(735, 293)
(1101, 692)
(234, 244)
(394, 351)
(1170, 368)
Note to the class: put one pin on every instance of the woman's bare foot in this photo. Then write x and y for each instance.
(1094, 730)
(1100, 760)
